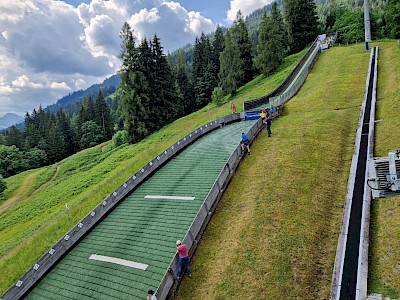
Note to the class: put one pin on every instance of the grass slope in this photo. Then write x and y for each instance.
(32, 225)
(384, 260)
(275, 232)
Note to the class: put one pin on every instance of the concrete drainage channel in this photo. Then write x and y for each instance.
(351, 264)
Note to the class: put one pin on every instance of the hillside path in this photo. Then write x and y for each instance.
(23, 191)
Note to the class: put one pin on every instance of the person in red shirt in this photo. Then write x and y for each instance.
(183, 258)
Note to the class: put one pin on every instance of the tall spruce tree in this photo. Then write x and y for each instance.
(230, 74)
(217, 48)
(65, 125)
(134, 89)
(86, 113)
(204, 76)
(236, 58)
(184, 87)
(276, 15)
(135, 107)
(270, 49)
(302, 23)
(245, 47)
(163, 89)
(31, 131)
(14, 137)
(55, 143)
(103, 117)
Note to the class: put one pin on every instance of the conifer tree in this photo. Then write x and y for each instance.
(166, 109)
(86, 113)
(270, 49)
(135, 106)
(31, 132)
(55, 143)
(302, 23)
(392, 19)
(183, 85)
(103, 117)
(276, 15)
(230, 73)
(133, 90)
(245, 47)
(65, 125)
(91, 135)
(217, 47)
(14, 137)
(203, 73)
(236, 58)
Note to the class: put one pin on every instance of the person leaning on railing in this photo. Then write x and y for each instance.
(183, 258)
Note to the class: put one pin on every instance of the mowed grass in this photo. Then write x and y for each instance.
(384, 258)
(274, 234)
(33, 224)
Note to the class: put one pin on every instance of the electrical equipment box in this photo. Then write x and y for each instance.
(384, 175)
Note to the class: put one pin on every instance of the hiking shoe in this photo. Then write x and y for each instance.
(190, 275)
(248, 153)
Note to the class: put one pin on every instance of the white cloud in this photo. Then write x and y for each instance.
(60, 86)
(49, 47)
(79, 83)
(15, 11)
(5, 90)
(172, 23)
(245, 6)
(4, 62)
(23, 81)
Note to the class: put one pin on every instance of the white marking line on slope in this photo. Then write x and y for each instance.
(119, 261)
(169, 197)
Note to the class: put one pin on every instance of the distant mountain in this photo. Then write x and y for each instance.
(10, 119)
(72, 102)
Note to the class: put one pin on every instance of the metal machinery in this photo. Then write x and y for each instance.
(384, 175)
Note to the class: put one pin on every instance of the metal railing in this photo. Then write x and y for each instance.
(298, 81)
(291, 85)
(264, 100)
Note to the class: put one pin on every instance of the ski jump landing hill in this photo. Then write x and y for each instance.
(126, 245)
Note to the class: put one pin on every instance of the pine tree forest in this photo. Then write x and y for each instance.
(156, 88)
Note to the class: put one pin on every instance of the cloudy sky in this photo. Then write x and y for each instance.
(51, 48)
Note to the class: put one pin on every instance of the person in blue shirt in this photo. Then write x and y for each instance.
(244, 142)
(272, 110)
